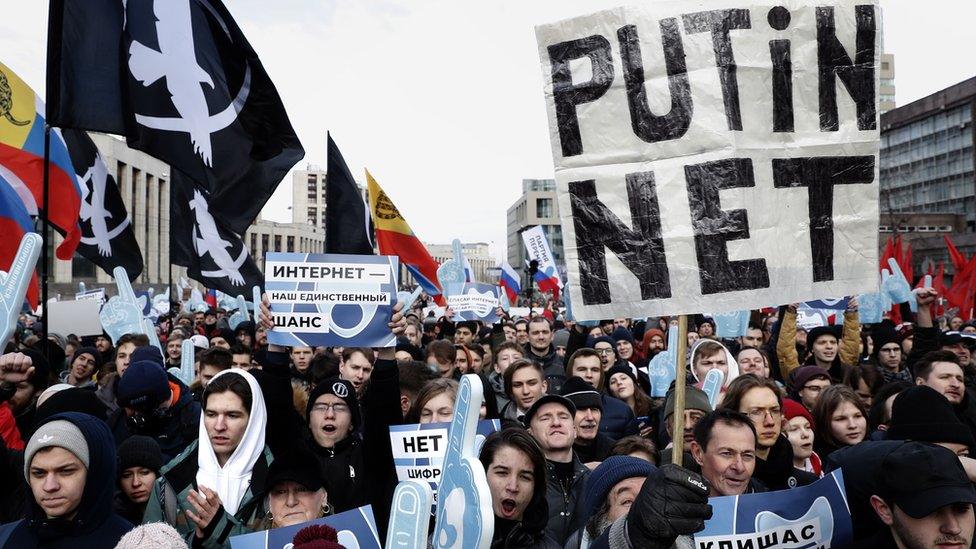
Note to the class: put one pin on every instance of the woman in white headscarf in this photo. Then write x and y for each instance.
(214, 489)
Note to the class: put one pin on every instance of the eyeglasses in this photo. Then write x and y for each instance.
(337, 408)
(604, 351)
(759, 414)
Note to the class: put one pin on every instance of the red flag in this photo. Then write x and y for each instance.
(960, 294)
(958, 258)
(888, 252)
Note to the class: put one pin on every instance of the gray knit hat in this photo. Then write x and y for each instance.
(60, 433)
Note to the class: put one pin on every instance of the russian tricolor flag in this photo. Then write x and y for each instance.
(509, 281)
(15, 222)
(22, 159)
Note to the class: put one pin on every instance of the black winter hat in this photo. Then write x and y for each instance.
(87, 351)
(297, 465)
(923, 414)
(581, 394)
(819, 331)
(40, 378)
(547, 399)
(883, 335)
(340, 388)
(620, 369)
(74, 399)
(147, 352)
(144, 386)
(140, 451)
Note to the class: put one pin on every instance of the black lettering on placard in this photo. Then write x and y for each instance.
(779, 52)
(714, 227)
(719, 23)
(789, 536)
(808, 532)
(647, 125)
(567, 95)
(820, 174)
(767, 541)
(640, 249)
(857, 75)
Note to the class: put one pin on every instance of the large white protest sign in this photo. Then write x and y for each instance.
(715, 155)
(79, 317)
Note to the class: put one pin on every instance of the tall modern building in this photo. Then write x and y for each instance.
(886, 90)
(265, 236)
(308, 195)
(536, 206)
(928, 149)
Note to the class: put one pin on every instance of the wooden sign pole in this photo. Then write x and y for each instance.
(677, 436)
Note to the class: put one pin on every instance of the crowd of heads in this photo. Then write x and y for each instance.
(580, 426)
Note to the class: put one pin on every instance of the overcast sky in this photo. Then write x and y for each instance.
(442, 100)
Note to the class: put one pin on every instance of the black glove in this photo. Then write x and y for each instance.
(672, 502)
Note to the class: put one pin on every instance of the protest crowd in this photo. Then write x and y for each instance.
(99, 438)
(192, 424)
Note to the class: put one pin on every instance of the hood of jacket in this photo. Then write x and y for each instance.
(96, 500)
(729, 358)
(231, 480)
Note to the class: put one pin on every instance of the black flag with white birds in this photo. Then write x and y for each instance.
(213, 254)
(180, 81)
(107, 237)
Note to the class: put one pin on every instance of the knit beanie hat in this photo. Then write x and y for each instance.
(147, 352)
(581, 394)
(820, 331)
(340, 388)
(923, 414)
(802, 376)
(883, 335)
(560, 338)
(60, 433)
(606, 475)
(620, 333)
(651, 332)
(144, 386)
(42, 369)
(695, 399)
(155, 535)
(792, 409)
(317, 536)
(621, 369)
(87, 351)
(140, 451)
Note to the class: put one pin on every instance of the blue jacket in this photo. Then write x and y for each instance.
(95, 524)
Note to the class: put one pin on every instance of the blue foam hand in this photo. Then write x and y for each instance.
(13, 285)
(240, 315)
(569, 310)
(451, 273)
(408, 299)
(712, 386)
(150, 331)
(503, 300)
(410, 515)
(256, 301)
(871, 307)
(186, 362)
(661, 369)
(927, 284)
(150, 292)
(733, 324)
(895, 284)
(464, 515)
(161, 303)
(123, 313)
(81, 287)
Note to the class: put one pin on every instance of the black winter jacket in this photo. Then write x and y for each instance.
(565, 502)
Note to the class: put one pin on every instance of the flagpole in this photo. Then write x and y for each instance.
(45, 240)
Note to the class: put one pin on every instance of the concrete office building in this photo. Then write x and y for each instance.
(308, 196)
(886, 88)
(265, 236)
(928, 184)
(144, 184)
(537, 206)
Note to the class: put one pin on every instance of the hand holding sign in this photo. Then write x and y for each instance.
(123, 313)
(451, 273)
(13, 285)
(410, 515)
(464, 513)
(661, 368)
(240, 315)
